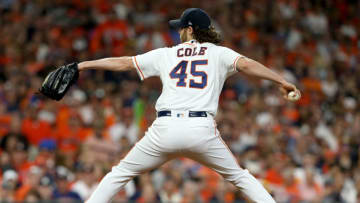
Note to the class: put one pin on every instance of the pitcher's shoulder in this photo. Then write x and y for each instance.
(219, 47)
(181, 45)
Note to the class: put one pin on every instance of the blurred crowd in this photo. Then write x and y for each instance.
(306, 151)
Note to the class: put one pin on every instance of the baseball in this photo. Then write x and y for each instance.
(293, 96)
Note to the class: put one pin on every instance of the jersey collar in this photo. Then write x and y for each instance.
(193, 41)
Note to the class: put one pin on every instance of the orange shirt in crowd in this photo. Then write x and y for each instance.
(63, 116)
(211, 180)
(305, 99)
(312, 84)
(293, 190)
(35, 131)
(5, 121)
(274, 177)
(291, 114)
(22, 170)
(291, 58)
(110, 120)
(21, 193)
(252, 35)
(78, 133)
(113, 32)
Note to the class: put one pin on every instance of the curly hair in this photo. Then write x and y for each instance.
(207, 35)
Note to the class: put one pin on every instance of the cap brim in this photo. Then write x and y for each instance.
(176, 24)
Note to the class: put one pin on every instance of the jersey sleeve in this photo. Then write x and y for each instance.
(228, 59)
(147, 64)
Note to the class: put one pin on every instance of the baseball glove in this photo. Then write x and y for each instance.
(58, 82)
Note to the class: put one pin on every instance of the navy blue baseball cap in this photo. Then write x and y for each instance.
(194, 17)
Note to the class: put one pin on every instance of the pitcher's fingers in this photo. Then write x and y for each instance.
(283, 90)
(291, 87)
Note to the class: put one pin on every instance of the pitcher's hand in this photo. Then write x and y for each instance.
(286, 87)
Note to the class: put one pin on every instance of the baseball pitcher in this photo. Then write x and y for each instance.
(193, 74)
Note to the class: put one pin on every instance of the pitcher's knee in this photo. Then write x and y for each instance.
(118, 175)
(122, 173)
(237, 176)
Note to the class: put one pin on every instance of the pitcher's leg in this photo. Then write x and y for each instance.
(141, 158)
(219, 158)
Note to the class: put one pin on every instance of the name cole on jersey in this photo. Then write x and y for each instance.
(191, 51)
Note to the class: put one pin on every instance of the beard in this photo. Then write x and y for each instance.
(183, 37)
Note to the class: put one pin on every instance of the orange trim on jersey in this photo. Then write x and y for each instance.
(234, 65)
(189, 43)
(137, 66)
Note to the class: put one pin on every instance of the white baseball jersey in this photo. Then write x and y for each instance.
(192, 74)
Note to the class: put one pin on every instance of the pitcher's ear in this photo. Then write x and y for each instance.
(190, 30)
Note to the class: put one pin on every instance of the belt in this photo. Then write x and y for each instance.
(191, 114)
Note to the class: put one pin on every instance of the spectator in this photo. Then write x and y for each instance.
(9, 186)
(32, 197)
(62, 191)
(29, 184)
(170, 192)
(46, 188)
(86, 182)
(124, 128)
(190, 192)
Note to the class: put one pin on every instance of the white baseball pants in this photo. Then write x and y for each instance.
(169, 137)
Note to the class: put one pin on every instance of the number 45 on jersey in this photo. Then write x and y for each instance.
(179, 73)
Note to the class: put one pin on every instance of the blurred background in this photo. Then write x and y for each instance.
(303, 152)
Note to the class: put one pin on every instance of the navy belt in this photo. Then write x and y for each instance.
(191, 114)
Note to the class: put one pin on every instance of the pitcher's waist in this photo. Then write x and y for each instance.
(183, 113)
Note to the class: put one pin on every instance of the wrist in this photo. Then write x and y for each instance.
(82, 66)
(282, 81)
